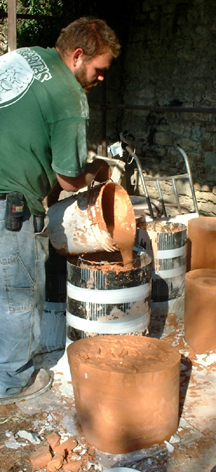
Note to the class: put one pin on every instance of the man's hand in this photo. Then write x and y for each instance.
(104, 170)
(53, 196)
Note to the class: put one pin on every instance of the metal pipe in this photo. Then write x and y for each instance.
(139, 168)
(159, 109)
(183, 153)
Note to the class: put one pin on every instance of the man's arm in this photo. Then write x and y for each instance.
(97, 170)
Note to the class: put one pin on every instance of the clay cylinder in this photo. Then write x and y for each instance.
(126, 391)
(103, 297)
(200, 313)
(165, 242)
(201, 244)
(90, 220)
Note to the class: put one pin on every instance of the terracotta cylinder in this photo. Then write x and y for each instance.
(201, 244)
(126, 391)
(200, 312)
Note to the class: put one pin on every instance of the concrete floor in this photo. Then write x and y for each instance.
(191, 449)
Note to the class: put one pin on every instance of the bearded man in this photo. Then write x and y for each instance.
(43, 118)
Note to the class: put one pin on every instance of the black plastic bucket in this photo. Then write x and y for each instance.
(56, 269)
(104, 298)
(53, 323)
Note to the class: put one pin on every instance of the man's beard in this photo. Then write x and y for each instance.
(82, 78)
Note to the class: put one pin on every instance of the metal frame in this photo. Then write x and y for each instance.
(173, 178)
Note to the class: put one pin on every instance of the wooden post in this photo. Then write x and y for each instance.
(12, 31)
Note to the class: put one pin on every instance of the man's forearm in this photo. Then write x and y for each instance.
(97, 170)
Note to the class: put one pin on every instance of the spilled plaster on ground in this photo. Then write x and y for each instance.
(193, 447)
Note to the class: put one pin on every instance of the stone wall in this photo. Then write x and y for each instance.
(162, 89)
(166, 82)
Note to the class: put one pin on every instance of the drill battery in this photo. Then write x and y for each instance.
(14, 211)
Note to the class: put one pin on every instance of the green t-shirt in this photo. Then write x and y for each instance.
(43, 118)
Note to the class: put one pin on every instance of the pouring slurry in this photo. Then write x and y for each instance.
(120, 221)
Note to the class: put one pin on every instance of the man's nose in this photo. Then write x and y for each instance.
(100, 77)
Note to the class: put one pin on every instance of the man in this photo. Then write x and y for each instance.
(43, 116)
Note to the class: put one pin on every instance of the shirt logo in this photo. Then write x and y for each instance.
(18, 70)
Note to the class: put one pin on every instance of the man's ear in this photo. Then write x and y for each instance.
(77, 55)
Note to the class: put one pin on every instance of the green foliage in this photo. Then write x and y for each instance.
(43, 30)
(3, 5)
(40, 7)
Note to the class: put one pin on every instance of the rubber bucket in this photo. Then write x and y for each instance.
(105, 298)
(165, 242)
(92, 221)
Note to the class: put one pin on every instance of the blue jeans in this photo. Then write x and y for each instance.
(22, 292)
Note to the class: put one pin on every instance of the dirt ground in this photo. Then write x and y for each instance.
(25, 425)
